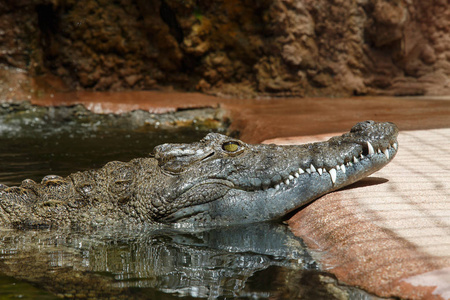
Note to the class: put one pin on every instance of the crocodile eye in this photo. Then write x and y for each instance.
(231, 146)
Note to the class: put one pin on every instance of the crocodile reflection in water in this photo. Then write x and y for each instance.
(210, 263)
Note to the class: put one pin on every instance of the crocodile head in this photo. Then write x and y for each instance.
(221, 180)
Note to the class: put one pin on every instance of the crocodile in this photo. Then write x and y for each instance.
(217, 181)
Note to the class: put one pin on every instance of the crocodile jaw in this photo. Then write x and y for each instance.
(240, 206)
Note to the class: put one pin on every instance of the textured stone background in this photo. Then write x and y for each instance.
(239, 48)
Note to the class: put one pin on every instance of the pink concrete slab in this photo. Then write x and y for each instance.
(390, 233)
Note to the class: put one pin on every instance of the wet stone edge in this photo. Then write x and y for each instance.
(22, 118)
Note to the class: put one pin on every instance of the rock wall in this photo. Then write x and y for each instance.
(228, 47)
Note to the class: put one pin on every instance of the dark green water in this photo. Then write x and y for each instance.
(35, 156)
(37, 141)
(247, 262)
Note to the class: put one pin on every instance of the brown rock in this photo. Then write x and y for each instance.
(428, 55)
(245, 47)
(132, 79)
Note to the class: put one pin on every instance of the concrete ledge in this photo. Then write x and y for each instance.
(390, 233)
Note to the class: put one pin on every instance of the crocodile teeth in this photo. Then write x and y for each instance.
(313, 169)
(291, 177)
(371, 150)
(361, 156)
(296, 175)
(386, 152)
(333, 175)
(379, 151)
(277, 187)
(395, 146)
(308, 170)
(319, 170)
(300, 171)
(343, 168)
(287, 181)
(355, 160)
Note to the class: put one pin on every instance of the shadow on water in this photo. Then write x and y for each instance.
(247, 262)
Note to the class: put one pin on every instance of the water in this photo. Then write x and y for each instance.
(248, 262)
(222, 263)
(36, 156)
